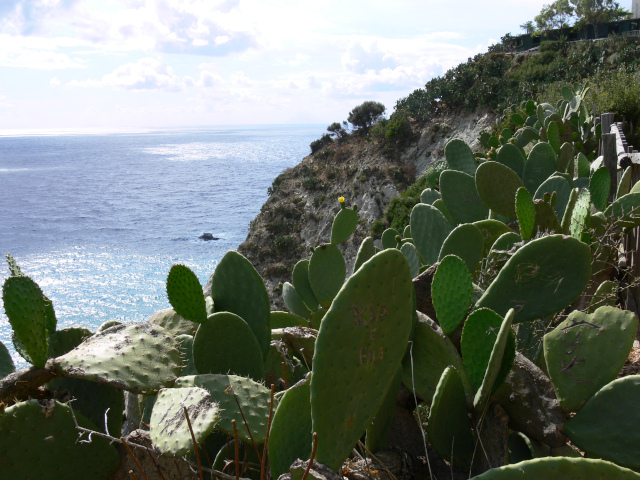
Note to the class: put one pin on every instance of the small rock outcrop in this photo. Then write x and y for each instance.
(304, 199)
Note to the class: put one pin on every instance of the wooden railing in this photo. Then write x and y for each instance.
(618, 155)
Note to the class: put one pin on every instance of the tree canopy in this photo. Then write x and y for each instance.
(578, 13)
(366, 114)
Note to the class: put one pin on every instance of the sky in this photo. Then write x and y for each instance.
(173, 63)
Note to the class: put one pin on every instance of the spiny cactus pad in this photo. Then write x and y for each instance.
(344, 223)
(451, 292)
(491, 229)
(185, 344)
(607, 425)
(460, 157)
(286, 319)
(138, 357)
(236, 287)
(500, 200)
(449, 429)
(327, 272)
(461, 197)
(429, 196)
(580, 215)
(605, 295)
(24, 304)
(510, 156)
(599, 186)
(585, 352)
(467, 242)
(410, 252)
(556, 268)
(526, 213)
(6, 362)
(624, 186)
(378, 431)
(290, 437)
(224, 343)
(300, 280)
(171, 321)
(388, 238)
(562, 188)
(169, 430)
(429, 229)
(185, 294)
(500, 361)
(65, 340)
(359, 347)
(253, 397)
(625, 211)
(565, 157)
(428, 356)
(294, 302)
(560, 467)
(41, 441)
(478, 339)
(540, 165)
(365, 252)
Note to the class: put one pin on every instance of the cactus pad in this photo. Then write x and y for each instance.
(300, 280)
(359, 347)
(599, 186)
(429, 229)
(585, 352)
(169, 429)
(491, 229)
(556, 268)
(465, 241)
(40, 440)
(185, 344)
(290, 437)
(25, 306)
(410, 252)
(65, 340)
(344, 224)
(224, 343)
(171, 321)
(429, 354)
(429, 196)
(560, 467)
(624, 186)
(378, 431)
(185, 294)
(293, 301)
(388, 238)
(327, 272)
(510, 156)
(625, 211)
(451, 292)
(500, 200)
(6, 362)
(580, 215)
(540, 165)
(526, 213)
(236, 287)
(286, 319)
(253, 397)
(449, 429)
(461, 197)
(460, 157)
(365, 252)
(562, 188)
(607, 425)
(138, 357)
(605, 295)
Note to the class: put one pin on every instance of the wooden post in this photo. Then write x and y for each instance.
(610, 161)
(607, 120)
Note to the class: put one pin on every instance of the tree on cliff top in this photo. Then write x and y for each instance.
(366, 114)
(579, 13)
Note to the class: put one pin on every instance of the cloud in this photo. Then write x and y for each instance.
(36, 53)
(145, 74)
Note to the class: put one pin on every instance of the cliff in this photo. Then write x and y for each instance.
(367, 172)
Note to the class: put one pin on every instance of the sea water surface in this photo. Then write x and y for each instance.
(97, 219)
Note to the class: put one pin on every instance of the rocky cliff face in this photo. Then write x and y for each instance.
(304, 199)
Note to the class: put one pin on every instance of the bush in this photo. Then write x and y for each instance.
(365, 115)
(321, 142)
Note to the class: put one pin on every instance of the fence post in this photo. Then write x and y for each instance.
(607, 120)
(610, 161)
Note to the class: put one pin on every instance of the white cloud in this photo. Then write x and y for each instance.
(145, 74)
(54, 82)
(36, 53)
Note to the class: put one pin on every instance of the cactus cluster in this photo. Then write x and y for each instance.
(494, 307)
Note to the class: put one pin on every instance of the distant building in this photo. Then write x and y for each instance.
(592, 32)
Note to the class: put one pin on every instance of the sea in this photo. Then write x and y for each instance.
(97, 218)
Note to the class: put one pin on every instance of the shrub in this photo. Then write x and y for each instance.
(321, 142)
(366, 114)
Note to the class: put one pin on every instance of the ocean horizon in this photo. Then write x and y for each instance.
(97, 218)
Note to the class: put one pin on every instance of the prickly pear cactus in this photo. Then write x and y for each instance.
(24, 304)
(359, 347)
(607, 425)
(171, 321)
(510, 156)
(229, 391)
(625, 211)
(294, 302)
(580, 216)
(467, 242)
(290, 437)
(224, 343)
(6, 362)
(526, 213)
(286, 319)
(138, 357)
(451, 291)
(560, 467)
(344, 224)
(40, 440)
(449, 429)
(428, 196)
(365, 252)
(410, 252)
(388, 238)
(461, 197)
(556, 268)
(429, 229)
(599, 186)
(585, 352)
(300, 280)
(562, 188)
(540, 165)
(327, 271)
(460, 157)
(236, 287)
(185, 294)
(500, 200)
(169, 429)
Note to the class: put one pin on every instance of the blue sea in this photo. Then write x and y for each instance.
(97, 219)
